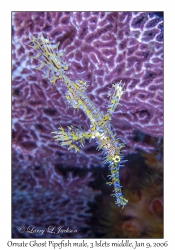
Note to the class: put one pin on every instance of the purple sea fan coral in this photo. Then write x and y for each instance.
(44, 200)
(100, 48)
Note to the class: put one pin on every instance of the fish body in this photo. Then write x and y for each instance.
(100, 129)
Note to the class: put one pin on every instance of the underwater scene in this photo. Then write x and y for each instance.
(87, 125)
